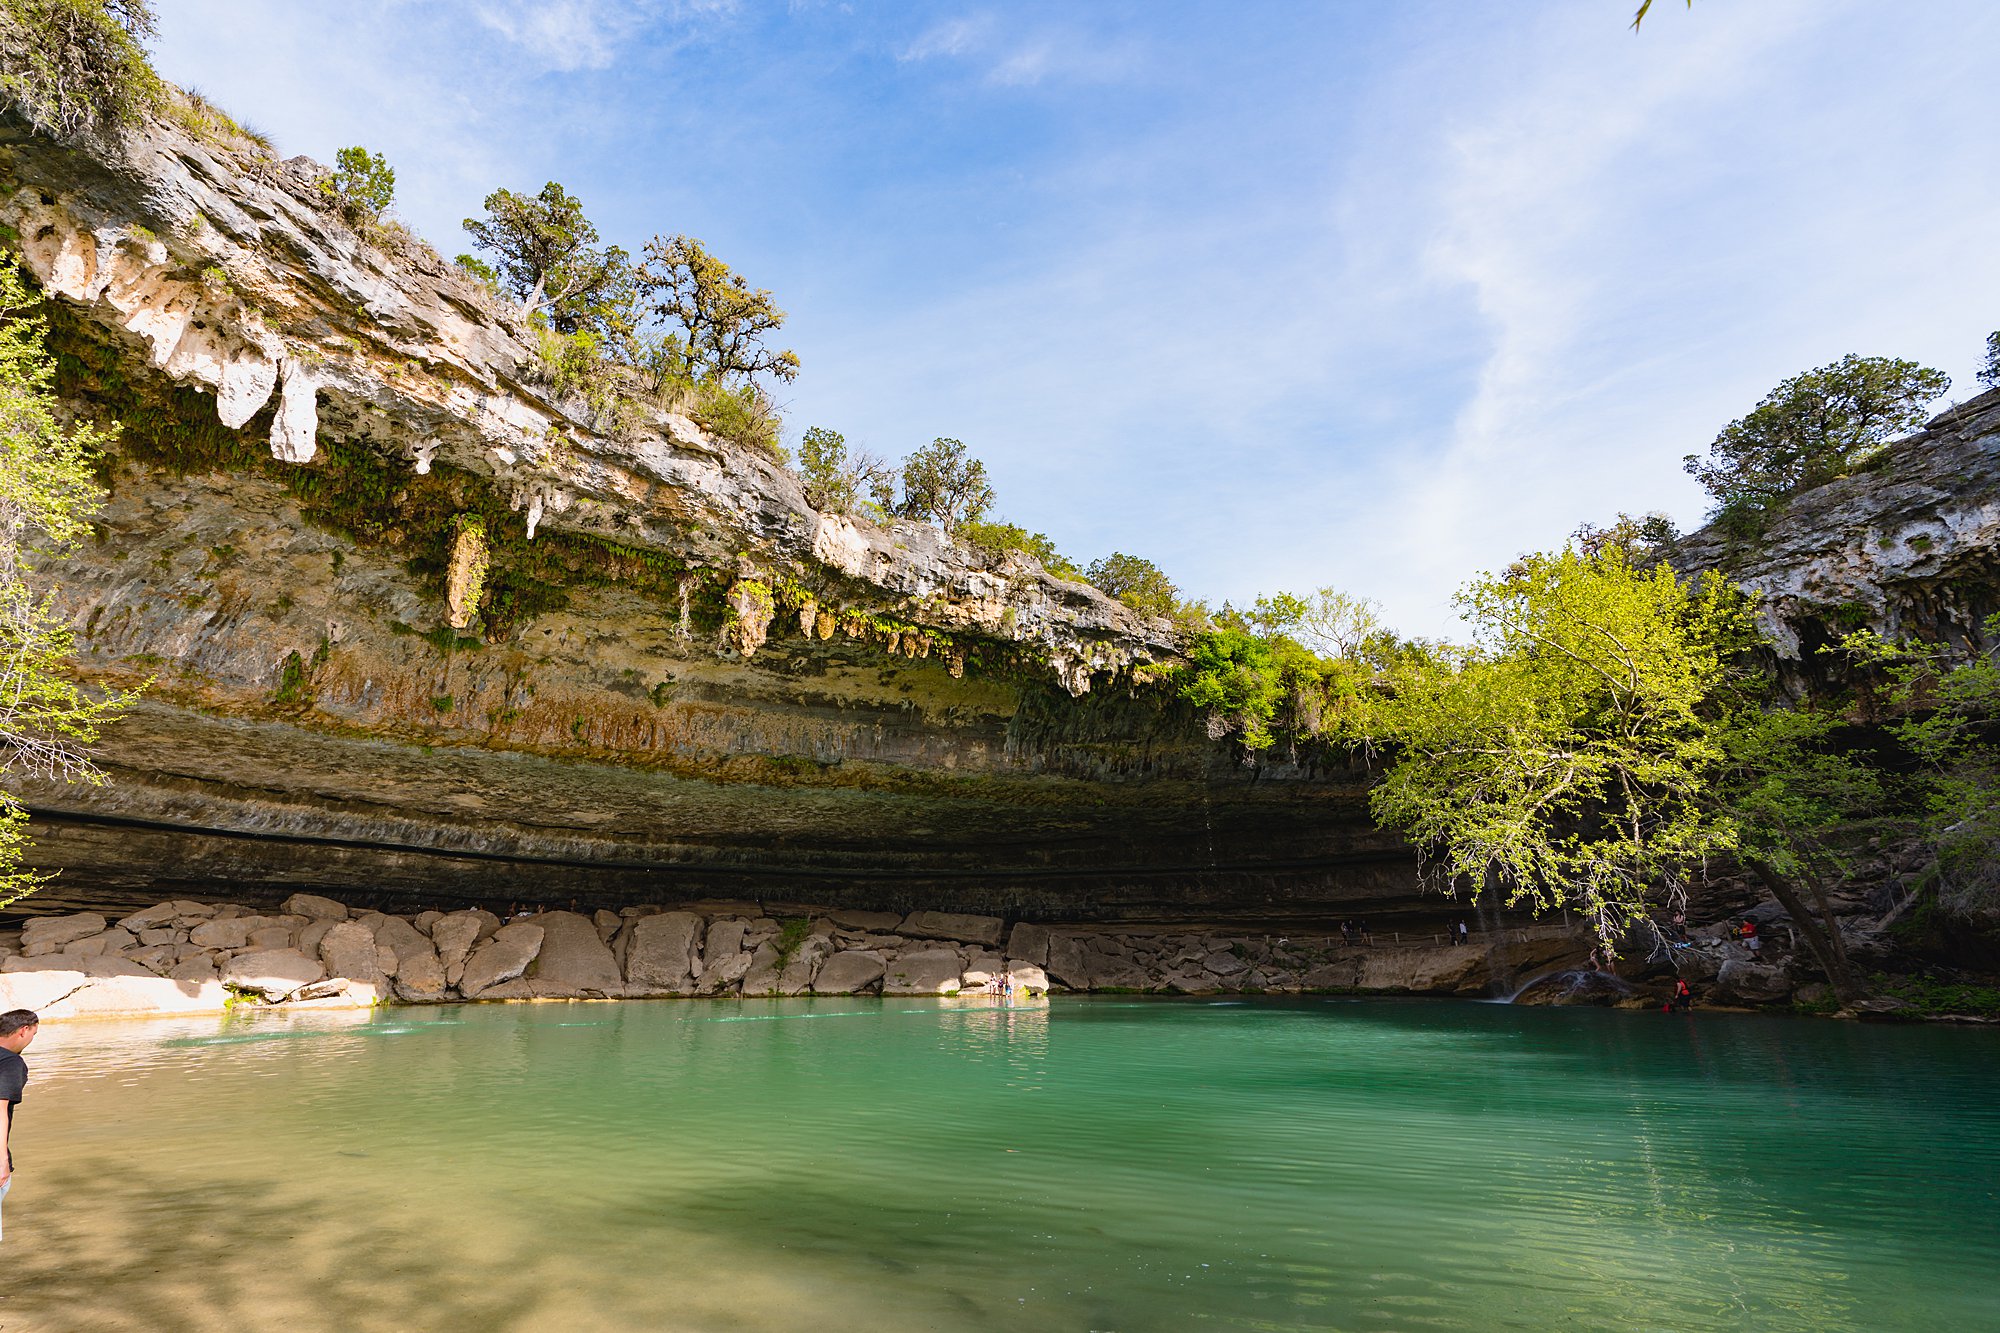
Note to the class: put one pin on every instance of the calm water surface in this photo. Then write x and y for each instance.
(1106, 1164)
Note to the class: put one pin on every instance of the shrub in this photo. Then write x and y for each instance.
(362, 183)
(1138, 583)
(1000, 538)
(70, 65)
(1989, 369)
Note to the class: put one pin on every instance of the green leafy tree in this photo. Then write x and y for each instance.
(362, 181)
(1645, 540)
(1330, 623)
(942, 485)
(1813, 428)
(546, 255)
(69, 65)
(1135, 581)
(836, 481)
(1989, 369)
(47, 498)
(1569, 752)
(723, 320)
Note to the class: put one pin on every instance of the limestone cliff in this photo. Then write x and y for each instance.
(415, 626)
(1910, 548)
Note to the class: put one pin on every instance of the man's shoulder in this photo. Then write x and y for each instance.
(13, 1075)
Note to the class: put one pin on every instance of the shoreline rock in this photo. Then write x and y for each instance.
(187, 957)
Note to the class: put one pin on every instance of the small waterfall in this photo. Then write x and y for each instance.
(1570, 985)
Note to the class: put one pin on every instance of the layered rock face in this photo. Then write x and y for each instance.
(1910, 548)
(666, 670)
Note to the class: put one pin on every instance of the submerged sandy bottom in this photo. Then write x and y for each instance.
(888, 1165)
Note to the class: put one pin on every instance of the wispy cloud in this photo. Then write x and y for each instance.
(1008, 57)
(588, 34)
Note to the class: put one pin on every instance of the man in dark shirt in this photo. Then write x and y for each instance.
(17, 1028)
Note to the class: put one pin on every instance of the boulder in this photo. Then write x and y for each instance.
(403, 939)
(44, 962)
(662, 953)
(160, 935)
(315, 907)
(723, 972)
(106, 941)
(272, 973)
(952, 926)
(1111, 973)
(312, 933)
(454, 935)
(725, 937)
(924, 972)
(272, 937)
(1749, 984)
(796, 977)
(500, 959)
(607, 924)
(59, 995)
(572, 962)
(155, 958)
(196, 968)
(1068, 963)
(1223, 963)
(190, 912)
(347, 948)
(113, 965)
(46, 934)
(761, 976)
(866, 920)
(222, 933)
(420, 979)
(1028, 976)
(427, 921)
(151, 918)
(1030, 942)
(849, 971)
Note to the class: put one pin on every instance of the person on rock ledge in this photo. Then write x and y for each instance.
(17, 1028)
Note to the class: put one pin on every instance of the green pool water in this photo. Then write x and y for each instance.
(1101, 1164)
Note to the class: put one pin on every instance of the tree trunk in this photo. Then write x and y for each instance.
(1821, 930)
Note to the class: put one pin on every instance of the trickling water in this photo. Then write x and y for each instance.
(886, 1165)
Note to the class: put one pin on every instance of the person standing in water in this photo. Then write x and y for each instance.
(17, 1028)
(1683, 997)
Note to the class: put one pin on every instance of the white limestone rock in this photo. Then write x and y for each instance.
(314, 907)
(962, 928)
(924, 972)
(45, 934)
(500, 959)
(273, 973)
(662, 953)
(849, 972)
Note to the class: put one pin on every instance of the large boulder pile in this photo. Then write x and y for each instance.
(182, 956)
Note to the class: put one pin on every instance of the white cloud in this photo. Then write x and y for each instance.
(588, 34)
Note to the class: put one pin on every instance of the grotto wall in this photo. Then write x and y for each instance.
(667, 676)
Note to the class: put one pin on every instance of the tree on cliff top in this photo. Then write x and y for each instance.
(942, 485)
(1813, 428)
(47, 500)
(722, 318)
(546, 255)
(73, 64)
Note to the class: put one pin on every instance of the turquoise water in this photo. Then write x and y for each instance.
(1102, 1164)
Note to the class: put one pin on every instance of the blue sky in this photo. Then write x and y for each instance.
(1278, 295)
